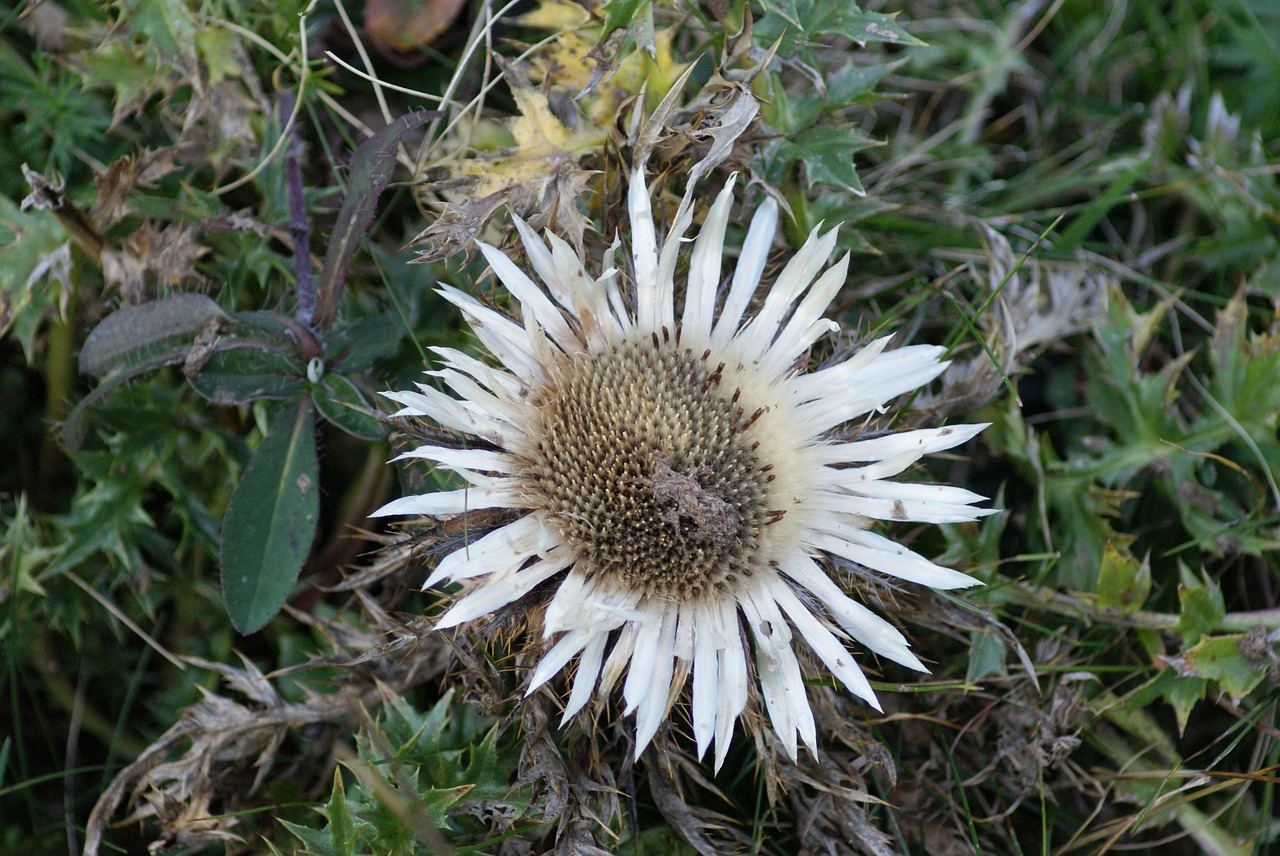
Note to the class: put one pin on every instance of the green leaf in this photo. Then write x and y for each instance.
(1218, 658)
(1123, 581)
(620, 13)
(255, 358)
(132, 336)
(247, 371)
(827, 155)
(1201, 607)
(371, 168)
(35, 267)
(167, 26)
(785, 9)
(841, 89)
(987, 653)
(341, 824)
(341, 403)
(316, 842)
(131, 73)
(354, 347)
(221, 50)
(801, 21)
(271, 521)
(1181, 693)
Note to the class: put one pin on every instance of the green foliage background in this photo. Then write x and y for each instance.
(1079, 198)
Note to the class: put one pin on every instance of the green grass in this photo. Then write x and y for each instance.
(1080, 200)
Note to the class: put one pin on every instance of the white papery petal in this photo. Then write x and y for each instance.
(498, 382)
(471, 459)
(648, 631)
(620, 655)
(451, 413)
(829, 649)
(653, 705)
(666, 290)
(856, 620)
(900, 509)
(873, 389)
(856, 478)
(503, 338)
(800, 331)
(652, 300)
(746, 276)
(450, 502)
(706, 688)
(558, 657)
(503, 549)
(500, 592)
(760, 333)
(704, 267)
(925, 441)
(781, 683)
(544, 263)
(580, 604)
(523, 289)
(733, 690)
(880, 554)
(585, 679)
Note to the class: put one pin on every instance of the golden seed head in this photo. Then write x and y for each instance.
(645, 462)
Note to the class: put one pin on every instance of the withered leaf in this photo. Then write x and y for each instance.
(538, 178)
(119, 180)
(161, 258)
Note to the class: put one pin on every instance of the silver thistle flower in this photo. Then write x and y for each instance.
(677, 477)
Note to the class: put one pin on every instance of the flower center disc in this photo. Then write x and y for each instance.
(645, 463)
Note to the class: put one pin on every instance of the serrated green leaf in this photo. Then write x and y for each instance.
(132, 73)
(798, 22)
(315, 842)
(1218, 659)
(785, 9)
(1183, 695)
(168, 26)
(826, 153)
(133, 335)
(342, 404)
(1123, 581)
(35, 263)
(271, 521)
(221, 50)
(341, 824)
(841, 89)
(1201, 608)
(620, 13)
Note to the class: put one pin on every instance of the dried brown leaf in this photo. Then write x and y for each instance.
(161, 258)
(1036, 305)
(708, 832)
(205, 759)
(118, 181)
(538, 178)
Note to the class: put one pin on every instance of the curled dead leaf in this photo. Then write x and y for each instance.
(538, 178)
